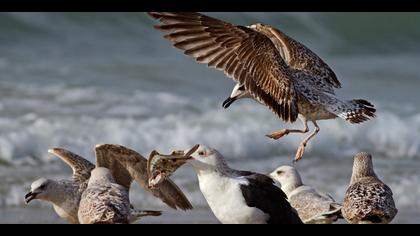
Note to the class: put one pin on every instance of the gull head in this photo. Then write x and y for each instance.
(101, 175)
(287, 177)
(362, 166)
(40, 189)
(202, 157)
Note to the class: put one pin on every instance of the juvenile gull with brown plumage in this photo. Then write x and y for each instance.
(125, 165)
(367, 200)
(268, 66)
(106, 202)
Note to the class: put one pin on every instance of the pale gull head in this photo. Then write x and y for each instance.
(205, 158)
(288, 177)
(101, 175)
(42, 189)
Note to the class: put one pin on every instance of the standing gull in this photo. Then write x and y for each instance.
(367, 200)
(65, 195)
(238, 197)
(313, 206)
(268, 66)
(106, 202)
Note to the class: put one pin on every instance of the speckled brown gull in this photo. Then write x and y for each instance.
(367, 200)
(128, 165)
(268, 66)
(106, 202)
(313, 206)
(65, 195)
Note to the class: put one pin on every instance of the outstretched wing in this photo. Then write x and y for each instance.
(106, 159)
(302, 59)
(133, 166)
(245, 55)
(80, 166)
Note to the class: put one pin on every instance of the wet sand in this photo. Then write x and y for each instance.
(34, 215)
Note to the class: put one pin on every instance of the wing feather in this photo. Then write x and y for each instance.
(136, 166)
(80, 166)
(245, 55)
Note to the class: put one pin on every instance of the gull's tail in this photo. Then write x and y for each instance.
(356, 111)
(136, 215)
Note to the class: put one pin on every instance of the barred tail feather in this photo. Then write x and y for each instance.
(357, 111)
(136, 215)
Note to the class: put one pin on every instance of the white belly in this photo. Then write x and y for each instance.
(227, 202)
(69, 215)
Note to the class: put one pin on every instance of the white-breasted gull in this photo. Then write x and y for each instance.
(238, 197)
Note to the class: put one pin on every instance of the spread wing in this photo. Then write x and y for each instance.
(245, 55)
(80, 166)
(133, 166)
(301, 58)
(105, 159)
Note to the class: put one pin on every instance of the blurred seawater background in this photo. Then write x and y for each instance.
(74, 80)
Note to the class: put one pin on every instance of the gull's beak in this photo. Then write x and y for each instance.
(191, 151)
(29, 197)
(228, 102)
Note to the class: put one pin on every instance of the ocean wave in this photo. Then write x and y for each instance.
(79, 118)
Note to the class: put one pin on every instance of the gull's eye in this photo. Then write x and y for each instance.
(201, 153)
(279, 172)
(42, 186)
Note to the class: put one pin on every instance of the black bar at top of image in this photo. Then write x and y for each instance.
(208, 5)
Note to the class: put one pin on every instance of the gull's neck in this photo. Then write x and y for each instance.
(293, 183)
(221, 168)
(63, 191)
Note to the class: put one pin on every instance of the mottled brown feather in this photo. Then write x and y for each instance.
(80, 166)
(136, 166)
(299, 56)
(245, 55)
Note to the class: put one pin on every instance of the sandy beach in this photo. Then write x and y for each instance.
(32, 215)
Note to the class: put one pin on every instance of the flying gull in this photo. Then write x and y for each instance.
(367, 200)
(65, 195)
(106, 202)
(238, 197)
(313, 206)
(268, 66)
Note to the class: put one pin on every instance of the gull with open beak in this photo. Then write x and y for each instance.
(125, 165)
